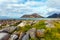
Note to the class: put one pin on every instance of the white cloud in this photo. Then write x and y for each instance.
(2, 1)
(33, 3)
(53, 3)
(29, 7)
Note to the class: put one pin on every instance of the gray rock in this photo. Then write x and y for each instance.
(4, 36)
(9, 29)
(21, 35)
(32, 33)
(26, 37)
(14, 37)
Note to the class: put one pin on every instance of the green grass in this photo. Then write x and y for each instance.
(39, 25)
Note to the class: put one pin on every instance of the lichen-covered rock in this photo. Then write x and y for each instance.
(40, 33)
(49, 24)
(22, 24)
(32, 32)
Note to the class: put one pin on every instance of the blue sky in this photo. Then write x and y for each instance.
(17, 8)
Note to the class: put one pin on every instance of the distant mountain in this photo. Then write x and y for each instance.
(35, 15)
(54, 15)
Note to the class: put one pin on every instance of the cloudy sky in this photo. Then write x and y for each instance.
(17, 8)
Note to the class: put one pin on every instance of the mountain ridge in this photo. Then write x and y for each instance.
(34, 15)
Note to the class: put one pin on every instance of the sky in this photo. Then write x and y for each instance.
(18, 8)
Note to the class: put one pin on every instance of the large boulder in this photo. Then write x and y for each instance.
(4, 36)
(9, 29)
